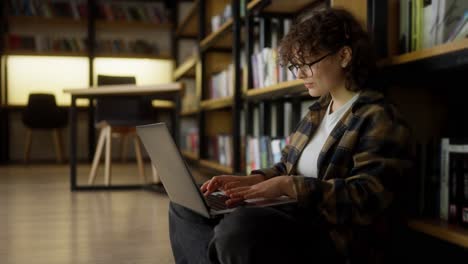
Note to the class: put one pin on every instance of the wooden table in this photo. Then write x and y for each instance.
(170, 91)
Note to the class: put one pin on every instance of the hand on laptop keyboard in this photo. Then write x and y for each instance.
(227, 182)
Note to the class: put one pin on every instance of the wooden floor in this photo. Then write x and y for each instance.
(42, 222)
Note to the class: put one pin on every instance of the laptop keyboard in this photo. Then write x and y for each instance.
(217, 202)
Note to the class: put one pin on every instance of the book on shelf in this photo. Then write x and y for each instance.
(133, 12)
(263, 152)
(458, 189)
(424, 24)
(221, 84)
(266, 70)
(76, 9)
(461, 29)
(219, 19)
(189, 135)
(220, 149)
(448, 175)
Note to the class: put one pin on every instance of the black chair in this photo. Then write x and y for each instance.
(42, 113)
(117, 117)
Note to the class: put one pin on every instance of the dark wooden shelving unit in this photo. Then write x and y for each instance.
(91, 24)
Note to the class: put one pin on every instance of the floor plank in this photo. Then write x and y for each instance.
(41, 221)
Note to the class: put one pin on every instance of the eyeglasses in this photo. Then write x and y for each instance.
(306, 68)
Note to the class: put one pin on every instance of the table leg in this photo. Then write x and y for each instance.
(73, 143)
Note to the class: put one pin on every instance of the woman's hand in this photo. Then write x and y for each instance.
(227, 182)
(272, 188)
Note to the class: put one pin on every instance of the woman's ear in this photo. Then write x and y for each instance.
(345, 56)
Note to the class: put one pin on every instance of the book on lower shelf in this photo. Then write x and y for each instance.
(220, 149)
(454, 181)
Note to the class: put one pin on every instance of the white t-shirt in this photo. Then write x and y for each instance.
(307, 164)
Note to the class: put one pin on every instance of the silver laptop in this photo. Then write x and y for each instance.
(178, 180)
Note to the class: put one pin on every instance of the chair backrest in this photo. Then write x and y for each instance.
(122, 110)
(42, 112)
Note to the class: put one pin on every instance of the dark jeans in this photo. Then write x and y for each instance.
(249, 235)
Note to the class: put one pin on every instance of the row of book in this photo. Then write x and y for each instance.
(222, 84)
(266, 70)
(424, 24)
(218, 20)
(43, 43)
(454, 181)
(263, 152)
(76, 9)
(189, 135)
(130, 11)
(220, 149)
(138, 46)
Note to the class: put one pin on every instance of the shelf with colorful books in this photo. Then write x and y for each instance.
(27, 44)
(441, 229)
(216, 166)
(129, 29)
(186, 69)
(189, 25)
(131, 13)
(53, 11)
(280, 6)
(434, 52)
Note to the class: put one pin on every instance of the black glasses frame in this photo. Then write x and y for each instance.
(296, 68)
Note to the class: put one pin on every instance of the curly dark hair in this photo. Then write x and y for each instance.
(328, 30)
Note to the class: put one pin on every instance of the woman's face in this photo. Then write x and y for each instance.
(322, 73)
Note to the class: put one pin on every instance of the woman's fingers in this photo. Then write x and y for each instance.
(230, 185)
(204, 185)
(253, 195)
(234, 192)
(214, 184)
(234, 201)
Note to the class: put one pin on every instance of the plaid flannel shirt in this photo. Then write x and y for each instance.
(364, 159)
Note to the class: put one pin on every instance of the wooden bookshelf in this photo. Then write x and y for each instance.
(189, 25)
(119, 25)
(282, 89)
(45, 53)
(189, 112)
(216, 166)
(426, 53)
(220, 38)
(281, 6)
(217, 103)
(189, 155)
(44, 21)
(442, 230)
(186, 69)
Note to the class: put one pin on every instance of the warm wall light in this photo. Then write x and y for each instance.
(146, 71)
(49, 74)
